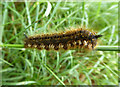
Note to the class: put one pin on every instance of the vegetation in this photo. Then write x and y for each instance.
(71, 67)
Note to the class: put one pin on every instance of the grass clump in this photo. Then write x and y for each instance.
(34, 67)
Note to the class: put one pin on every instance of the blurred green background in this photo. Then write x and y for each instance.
(41, 67)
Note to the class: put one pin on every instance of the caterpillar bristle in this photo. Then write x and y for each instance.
(72, 39)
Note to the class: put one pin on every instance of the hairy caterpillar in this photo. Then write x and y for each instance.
(77, 38)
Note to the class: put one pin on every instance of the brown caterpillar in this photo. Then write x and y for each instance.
(78, 38)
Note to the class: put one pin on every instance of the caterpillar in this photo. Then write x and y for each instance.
(71, 39)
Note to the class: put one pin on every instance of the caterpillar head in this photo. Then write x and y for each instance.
(94, 40)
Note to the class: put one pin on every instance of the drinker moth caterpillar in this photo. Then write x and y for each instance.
(71, 39)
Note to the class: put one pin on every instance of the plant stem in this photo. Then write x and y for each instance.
(12, 45)
(107, 48)
(98, 48)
